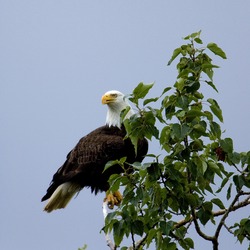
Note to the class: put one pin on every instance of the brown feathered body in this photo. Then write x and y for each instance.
(86, 161)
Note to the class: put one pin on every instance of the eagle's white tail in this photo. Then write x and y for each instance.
(62, 196)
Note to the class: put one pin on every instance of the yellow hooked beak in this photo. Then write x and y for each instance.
(108, 98)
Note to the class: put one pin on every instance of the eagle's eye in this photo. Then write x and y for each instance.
(114, 95)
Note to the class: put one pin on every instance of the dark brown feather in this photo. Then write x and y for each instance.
(86, 161)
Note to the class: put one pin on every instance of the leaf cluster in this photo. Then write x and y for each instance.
(198, 176)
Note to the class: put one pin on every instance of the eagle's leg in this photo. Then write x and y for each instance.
(113, 198)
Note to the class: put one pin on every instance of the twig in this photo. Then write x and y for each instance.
(234, 165)
(110, 243)
(228, 229)
(133, 238)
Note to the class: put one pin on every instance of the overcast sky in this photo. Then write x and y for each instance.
(57, 58)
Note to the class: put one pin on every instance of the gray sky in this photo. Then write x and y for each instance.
(57, 58)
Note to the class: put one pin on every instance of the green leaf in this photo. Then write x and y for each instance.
(114, 182)
(151, 235)
(166, 90)
(115, 162)
(224, 182)
(215, 108)
(197, 145)
(110, 217)
(83, 248)
(245, 158)
(175, 54)
(189, 242)
(128, 126)
(124, 113)
(182, 102)
(141, 90)
(215, 130)
(171, 246)
(243, 230)
(194, 113)
(215, 168)
(210, 83)
(180, 131)
(193, 35)
(216, 50)
(166, 227)
(192, 86)
(137, 227)
(207, 68)
(198, 130)
(118, 232)
(179, 84)
(246, 224)
(227, 145)
(234, 157)
(218, 202)
(205, 212)
(239, 181)
(154, 171)
(229, 191)
(147, 101)
(198, 40)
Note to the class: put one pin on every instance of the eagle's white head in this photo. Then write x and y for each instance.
(116, 102)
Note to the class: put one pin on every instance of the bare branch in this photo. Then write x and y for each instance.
(246, 193)
(183, 222)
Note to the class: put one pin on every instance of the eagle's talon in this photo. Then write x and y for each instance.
(113, 199)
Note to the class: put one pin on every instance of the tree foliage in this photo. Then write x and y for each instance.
(197, 179)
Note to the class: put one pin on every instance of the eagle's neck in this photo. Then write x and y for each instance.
(114, 114)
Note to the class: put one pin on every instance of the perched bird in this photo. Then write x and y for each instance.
(85, 163)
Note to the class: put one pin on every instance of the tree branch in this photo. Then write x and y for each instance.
(231, 208)
(110, 243)
(198, 229)
(241, 204)
(225, 212)
(138, 243)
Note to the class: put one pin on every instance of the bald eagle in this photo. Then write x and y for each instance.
(85, 163)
